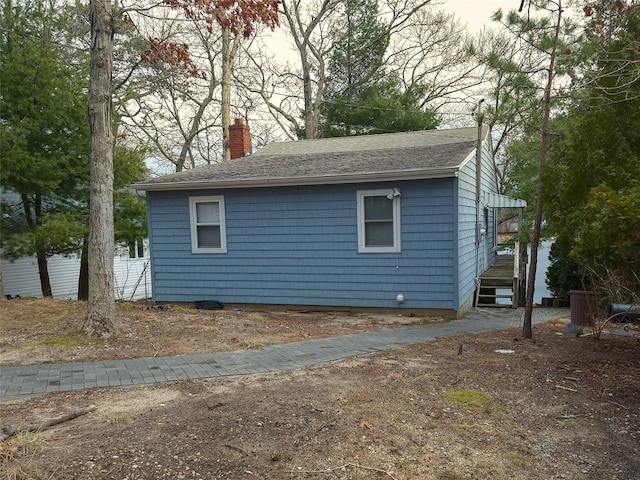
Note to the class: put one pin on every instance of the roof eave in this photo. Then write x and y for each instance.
(300, 181)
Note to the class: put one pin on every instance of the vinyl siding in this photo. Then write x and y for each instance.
(299, 246)
(489, 184)
(132, 277)
(467, 257)
(471, 265)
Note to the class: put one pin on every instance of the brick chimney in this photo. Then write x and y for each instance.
(239, 139)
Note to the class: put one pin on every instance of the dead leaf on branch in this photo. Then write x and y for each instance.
(171, 53)
(239, 16)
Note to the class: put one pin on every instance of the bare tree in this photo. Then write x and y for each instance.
(427, 47)
(309, 33)
(185, 113)
(170, 108)
(266, 80)
(239, 16)
(230, 44)
(432, 49)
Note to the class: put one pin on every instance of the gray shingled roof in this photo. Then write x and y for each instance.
(394, 156)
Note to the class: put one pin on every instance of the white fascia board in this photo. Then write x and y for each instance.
(300, 181)
(470, 157)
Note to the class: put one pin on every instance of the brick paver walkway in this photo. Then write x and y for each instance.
(17, 381)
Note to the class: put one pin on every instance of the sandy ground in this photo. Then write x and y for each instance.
(559, 406)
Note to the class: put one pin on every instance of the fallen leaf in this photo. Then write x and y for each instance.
(434, 415)
(366, 425)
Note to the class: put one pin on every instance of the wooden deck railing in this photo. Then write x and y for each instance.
(504, 279)
(520, 259)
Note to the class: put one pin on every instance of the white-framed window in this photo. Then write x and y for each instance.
(208, 233)
(136, 248)
(379, 221)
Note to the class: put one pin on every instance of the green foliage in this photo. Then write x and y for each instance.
(590, 190)
(130, 210)
(592, 186)
(43, 127)
(520, 168)
(44, 134)
(359, 43)
(361, 97)
(564, 273)
(610, 229)
(43, 130)
(512, 94)
(56, 233)
(518, 60)
(590, 183)
(383, 108)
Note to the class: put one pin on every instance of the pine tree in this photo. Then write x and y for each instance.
(43, 133)
(362, 97)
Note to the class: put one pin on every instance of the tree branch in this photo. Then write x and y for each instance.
(46, 423)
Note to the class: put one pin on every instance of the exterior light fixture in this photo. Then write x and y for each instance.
(394, 193)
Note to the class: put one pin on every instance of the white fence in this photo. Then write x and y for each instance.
(132, 276)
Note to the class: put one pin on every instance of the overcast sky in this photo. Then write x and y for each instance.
(477, 13)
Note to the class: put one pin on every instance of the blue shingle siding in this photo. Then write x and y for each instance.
(490, 184)
(470, 266)
(466, 232)
(292, 223)
(299, 246)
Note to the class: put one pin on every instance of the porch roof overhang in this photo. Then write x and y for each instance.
(496, 200)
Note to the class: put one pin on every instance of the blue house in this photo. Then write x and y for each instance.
(396, 221)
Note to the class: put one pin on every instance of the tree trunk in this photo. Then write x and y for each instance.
(195, 128)
(527, 331)
(101, 301)
(46, 423)
(41, 256)
(229, 51)
(34, 220)
(43, 271)
(301, 37)
(2, 294)
(310, 128)
(83, 277)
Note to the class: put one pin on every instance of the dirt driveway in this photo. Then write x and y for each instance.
(455, 408)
